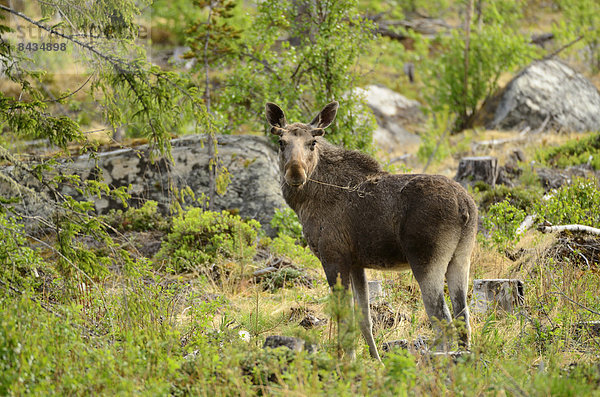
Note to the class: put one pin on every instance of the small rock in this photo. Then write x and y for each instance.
(394, 344)
(454, 355)
(394, 113)
(311, 321)
(419, 345)
(275, 341)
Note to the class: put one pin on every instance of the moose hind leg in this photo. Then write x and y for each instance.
(432, 291)
(457, 276)
(360, 288)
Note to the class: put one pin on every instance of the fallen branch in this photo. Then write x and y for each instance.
(571, 228)
(526, 224)
(495, 142)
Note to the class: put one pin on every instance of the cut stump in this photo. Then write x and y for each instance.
(473, 169)
(488, 294)
(375, 291)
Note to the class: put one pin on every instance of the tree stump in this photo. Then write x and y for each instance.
(473, 169)
(506, 294)
(375, 291)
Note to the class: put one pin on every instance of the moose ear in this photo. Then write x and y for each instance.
(326, 116)
(275, 115)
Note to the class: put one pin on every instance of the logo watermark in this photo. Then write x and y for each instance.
(61, 42)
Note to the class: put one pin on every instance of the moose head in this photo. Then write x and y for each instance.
(298, 144)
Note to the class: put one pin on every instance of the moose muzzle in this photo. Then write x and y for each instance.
(295, 173)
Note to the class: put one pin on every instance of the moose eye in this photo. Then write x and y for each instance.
(313, 144)
(281, 143)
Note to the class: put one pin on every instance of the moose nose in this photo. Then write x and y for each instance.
(295, 174)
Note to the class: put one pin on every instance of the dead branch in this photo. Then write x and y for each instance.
(571, 228)
(526, 224)
(564, 47)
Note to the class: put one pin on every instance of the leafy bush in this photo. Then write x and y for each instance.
(201, 237)
(286, 245)
(581, 19)
(286, 222)
(496, 46)
(286, 277)
(502, 221)
(18, 262)
(576, 203)
(317, 65)
(575, 152)
(140, 219)
(520, 197)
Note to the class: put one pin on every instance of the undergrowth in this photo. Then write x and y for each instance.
(580, 151)
(157, 330)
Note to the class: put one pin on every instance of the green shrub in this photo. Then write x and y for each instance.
(140, 219)
(286, 222)
(581, 20)
(496, 46)
(331, 38)
(574, 152)
(502, 221)
(285, 277)
(18, 262)
(287, 246)
(201, 237)
(520, 197)
(576, 203)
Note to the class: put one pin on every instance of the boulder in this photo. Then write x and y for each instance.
(394, 113)
(254, 189)
(548, 94)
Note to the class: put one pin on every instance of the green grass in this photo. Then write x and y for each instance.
(149, 331)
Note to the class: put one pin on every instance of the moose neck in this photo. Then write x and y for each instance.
(338, 173)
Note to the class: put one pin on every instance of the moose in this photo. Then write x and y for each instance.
(355, 216)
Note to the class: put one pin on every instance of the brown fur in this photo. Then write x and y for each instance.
(356, 216)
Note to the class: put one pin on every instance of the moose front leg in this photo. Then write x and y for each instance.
(335, 270)
(360, 289)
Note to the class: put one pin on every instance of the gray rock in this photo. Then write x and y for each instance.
(553, 178)
(393, 113)
(418, 345)
(254, 189)
(295, 344)
(546, 94)
(312, 321)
